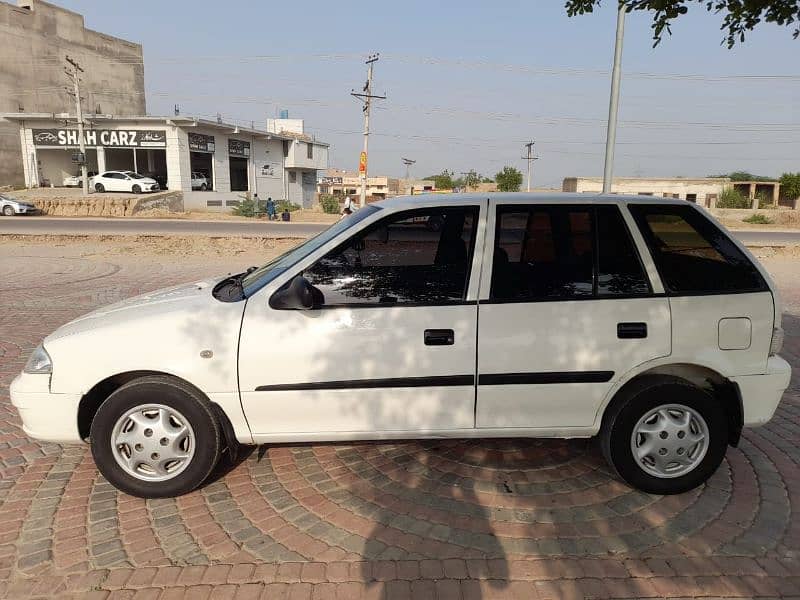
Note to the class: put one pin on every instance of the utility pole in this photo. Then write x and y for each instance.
(408, 162)
(75, 75)
(530, 158)
(366, 97)
(613, 103)
(465, 175)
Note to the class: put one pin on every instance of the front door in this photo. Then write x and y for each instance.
(569, 310)
(390, 346)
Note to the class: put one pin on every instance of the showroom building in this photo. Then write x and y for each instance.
(182, 153)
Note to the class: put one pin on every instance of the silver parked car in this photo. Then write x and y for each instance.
(11, 206)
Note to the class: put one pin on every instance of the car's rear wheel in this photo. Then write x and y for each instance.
(155, 437)
(98, 187)
(136, 189)
(664, 435)
(8, 211)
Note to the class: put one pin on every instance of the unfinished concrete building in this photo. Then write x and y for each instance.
(37, 37)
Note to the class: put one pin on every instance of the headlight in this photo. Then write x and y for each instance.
(39, 362)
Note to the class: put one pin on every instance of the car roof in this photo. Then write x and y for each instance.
(403, 202)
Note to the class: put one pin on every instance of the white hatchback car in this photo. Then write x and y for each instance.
(199, 181)
(637, 319)
(123, 181)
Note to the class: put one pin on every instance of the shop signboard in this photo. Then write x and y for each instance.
(200, 142)
(238, 148)
(107, 138)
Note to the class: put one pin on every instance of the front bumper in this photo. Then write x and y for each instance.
(25, 210)
(761, 394)
(45, 416)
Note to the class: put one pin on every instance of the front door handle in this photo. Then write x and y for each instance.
(628, 331)
(439, 337)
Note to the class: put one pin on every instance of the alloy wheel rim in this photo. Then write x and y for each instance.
(153, 442)
(670, 440)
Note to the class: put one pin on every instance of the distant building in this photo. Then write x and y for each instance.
(704, 191)
(213, 163)
(348, 183)
(36, 37)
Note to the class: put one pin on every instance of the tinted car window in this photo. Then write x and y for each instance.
(543, 252)
(692, 254)
(419, 256)
(619, 270)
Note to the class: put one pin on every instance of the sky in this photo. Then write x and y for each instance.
(468, 83)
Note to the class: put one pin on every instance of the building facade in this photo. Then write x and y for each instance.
(348, 183)
(37, 36)
(703, 191)
(230, 160)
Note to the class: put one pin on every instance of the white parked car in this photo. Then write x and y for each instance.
(123, 181)
(634, 318)
(199, 182)
(77, 179)
(11, 206)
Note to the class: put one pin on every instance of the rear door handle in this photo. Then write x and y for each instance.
(439, 337)
(628, 331)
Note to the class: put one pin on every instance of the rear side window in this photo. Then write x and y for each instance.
(564, 252)
(692, 254)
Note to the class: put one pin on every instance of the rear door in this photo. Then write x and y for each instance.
(390, 346)
(566, 309)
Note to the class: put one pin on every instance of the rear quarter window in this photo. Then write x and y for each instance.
(692, 255)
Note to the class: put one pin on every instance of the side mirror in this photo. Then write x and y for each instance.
(296, 294)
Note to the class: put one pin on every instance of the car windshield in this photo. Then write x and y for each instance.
(266, 273)
(133, 175)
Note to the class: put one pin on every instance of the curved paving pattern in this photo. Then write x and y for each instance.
(443, 518)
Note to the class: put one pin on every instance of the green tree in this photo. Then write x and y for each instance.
(744, 176)
(508, 180)
(443, 181)
(472, 179)
(738, 16)
(731, 198)
(790, 185)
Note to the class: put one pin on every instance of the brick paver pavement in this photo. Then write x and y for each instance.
(432, 519)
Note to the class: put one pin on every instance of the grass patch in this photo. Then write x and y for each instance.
(758, 219)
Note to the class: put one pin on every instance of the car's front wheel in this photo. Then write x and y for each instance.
(8, 211)
(136, 189)
(155, 437)
(664, 435)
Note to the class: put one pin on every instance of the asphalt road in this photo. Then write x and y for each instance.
(122, 226)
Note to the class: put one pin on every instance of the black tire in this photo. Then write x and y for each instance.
(630, 406)
(171, 393)
(8, 211)
(98, 187)
(434, 223)
(136, 189)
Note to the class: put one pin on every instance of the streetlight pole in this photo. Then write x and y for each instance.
(613, 103)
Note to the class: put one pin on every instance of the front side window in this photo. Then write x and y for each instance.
(692, 255)
(564, 253)
(415, 257)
